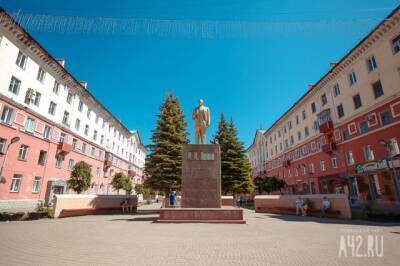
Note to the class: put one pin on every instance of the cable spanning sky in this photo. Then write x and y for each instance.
(249, 59)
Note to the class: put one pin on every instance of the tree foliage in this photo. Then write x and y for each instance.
(121, 181)
(80, 177)
(268, 184)
(164, 162)
(235, 167)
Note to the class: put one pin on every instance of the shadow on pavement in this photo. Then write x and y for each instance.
(294, 218)
(137, 219)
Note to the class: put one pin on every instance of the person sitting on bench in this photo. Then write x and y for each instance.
(128, 205)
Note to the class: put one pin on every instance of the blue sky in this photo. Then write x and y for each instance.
(252, 61)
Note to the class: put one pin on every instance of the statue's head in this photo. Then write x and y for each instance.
(201, 102)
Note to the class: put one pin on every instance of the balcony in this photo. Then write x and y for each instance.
(64, 147)
(326, 127)
(131, 173)
(329, 147)
(286, 163)
(107, 164)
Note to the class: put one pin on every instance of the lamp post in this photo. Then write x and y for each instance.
(12, 141)
(386, 144)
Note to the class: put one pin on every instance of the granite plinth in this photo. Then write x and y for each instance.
(201, 176)
(225, 214)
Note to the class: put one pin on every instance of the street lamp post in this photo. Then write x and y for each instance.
(13, 140)
(390, 156)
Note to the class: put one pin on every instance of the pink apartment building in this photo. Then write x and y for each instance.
(49, 121)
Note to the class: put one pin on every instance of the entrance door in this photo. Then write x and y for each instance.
(354, 198)
(58, 190)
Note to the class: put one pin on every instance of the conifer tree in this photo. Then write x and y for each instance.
(235, 167)
(164, 162)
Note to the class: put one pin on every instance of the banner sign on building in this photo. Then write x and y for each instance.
(371, 166)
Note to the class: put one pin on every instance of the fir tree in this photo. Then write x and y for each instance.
(235, 167)
(164, 162)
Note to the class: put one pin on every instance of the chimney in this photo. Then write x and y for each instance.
(83, 83)
(61, 62)
(332, 65)
(310, 86)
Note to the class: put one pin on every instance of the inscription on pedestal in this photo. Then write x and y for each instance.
(201, 176)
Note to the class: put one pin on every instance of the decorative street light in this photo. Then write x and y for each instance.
(391, 156)
(13, 140)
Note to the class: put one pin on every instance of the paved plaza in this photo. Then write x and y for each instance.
(266, 239)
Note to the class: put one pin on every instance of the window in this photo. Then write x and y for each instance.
(86, 130)
(36, 99)
(322, 165)
(2, 145)
(312, 168)
(83, 147)
(21, 60)
(104, 124)
(14, 86)
(357, 101)
(6, 115)
(65, 118)
(74, 144)
(304, 114)
(396, 44)
(363, 127)
(313, 108)
(101, 139)
(291, 140)
(80, 106)
(352, 78)
(336, 89)
(36, 184)
(297, 120)
(71, 164)
(97, 119)
(299, 135)
(92, 151)
(334, 161)
(59, 160)
(63, 137)
(52, 108)
(349, 158)
(393, 147)
(368, 153)
(16, 183)
(303, 169)
(29, 125)
(23, 152)
(345, 134)
(69, 98)
(56, 87)
(290, 124)
(46, 132)
(95, 135)
(41, 75)
(318, 142)
(378, 89)
(386, 118)
(371, 63)
(88, 113)
(306, 132)
(324, 100)
(42, 157)
(77, 124)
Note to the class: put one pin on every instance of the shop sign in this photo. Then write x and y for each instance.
(371, 166)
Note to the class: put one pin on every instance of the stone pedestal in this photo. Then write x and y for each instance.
(201, 189)
(201, 176)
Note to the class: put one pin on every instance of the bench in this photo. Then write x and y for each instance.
(289, 210)
(91, 211)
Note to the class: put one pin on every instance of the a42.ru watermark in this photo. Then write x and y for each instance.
(361, 243)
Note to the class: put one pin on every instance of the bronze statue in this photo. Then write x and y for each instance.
(201, 117)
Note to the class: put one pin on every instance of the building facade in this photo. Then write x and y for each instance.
(49, 121)
(343, 134)
(257, 154)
